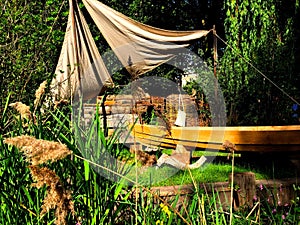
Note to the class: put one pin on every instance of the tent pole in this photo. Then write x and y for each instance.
(215, 67)
(215, 60)
(215, 50)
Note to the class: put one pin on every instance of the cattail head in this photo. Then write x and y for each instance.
(39, 151)
(23, 109)
(39, 92)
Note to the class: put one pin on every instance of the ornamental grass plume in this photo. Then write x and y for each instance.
(39, 151)
(56, 197)
(23, 109)
(39, 93)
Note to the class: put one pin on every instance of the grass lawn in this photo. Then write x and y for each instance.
(264, 167)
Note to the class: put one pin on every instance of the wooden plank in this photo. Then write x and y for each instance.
(267, 138)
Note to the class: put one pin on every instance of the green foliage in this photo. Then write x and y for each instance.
(30, 40)
(99, 200)
(31, 35)
(262, 33)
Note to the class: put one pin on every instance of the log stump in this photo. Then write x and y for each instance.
(244, 189)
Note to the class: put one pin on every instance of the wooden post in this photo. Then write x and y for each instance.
(244, 184)
(104, 115)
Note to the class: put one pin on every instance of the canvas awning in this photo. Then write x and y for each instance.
(139, 47)
(80, 62)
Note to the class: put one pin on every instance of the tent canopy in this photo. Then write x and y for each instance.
(139, 47)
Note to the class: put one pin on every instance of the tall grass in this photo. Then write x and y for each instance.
(88, 172)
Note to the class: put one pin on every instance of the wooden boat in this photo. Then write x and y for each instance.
(256, 138)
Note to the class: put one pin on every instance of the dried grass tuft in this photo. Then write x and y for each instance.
(39, 151)
(23, 109)
(145, 158)
(39, 92)
(43, 176)
(57, 197)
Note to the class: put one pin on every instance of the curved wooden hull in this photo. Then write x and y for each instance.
(259, 138)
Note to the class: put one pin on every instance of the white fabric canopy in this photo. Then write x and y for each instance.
(139, 47)
(80, 62)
